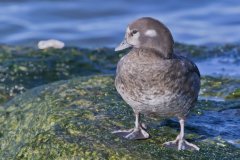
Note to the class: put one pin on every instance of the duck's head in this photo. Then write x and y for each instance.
(148, 33)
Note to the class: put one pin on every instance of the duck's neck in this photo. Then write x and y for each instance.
(152, 52)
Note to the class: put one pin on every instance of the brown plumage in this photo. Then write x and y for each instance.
(155, 81)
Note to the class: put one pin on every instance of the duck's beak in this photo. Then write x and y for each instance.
(123, 45)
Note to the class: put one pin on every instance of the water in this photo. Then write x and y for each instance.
(227, 65)
(93, 23)
(222, 124)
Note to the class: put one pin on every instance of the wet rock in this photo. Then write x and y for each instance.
(25, 68)
(234, 95)
(22, 68)
(220, 87)
(73, 119)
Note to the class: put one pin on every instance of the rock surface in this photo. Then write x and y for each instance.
(23, 68)
(73, 119)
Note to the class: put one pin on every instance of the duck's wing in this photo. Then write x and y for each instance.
(193, 68)
(190, 65)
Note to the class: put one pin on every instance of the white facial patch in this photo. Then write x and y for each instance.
(135, 39)
(128, 30)
(151, 33)
(132, 39)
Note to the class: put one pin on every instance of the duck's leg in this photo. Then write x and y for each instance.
(136, 133)
(180, 143)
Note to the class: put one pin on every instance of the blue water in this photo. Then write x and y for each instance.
(94, 23)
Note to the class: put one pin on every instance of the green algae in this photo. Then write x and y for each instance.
(202, 52)
(74, 119)
(22, 68)
(222, 87)
(234, 95)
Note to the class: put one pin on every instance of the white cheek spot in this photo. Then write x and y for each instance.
(151, 33)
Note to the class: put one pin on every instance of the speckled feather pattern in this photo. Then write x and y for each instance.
(154, 85)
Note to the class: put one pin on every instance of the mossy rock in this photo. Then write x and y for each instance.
(74, 119)
(220, 87)
(202, 52)
(235, 94)
(22, 68)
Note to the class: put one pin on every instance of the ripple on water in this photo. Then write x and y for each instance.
(223, 124)
(227, 65)
(190, 22)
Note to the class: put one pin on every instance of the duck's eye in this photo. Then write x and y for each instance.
(133, 32)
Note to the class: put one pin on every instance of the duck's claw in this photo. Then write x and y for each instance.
(136, 133)
(181, 145)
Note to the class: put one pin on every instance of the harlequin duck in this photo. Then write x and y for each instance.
(155, 81)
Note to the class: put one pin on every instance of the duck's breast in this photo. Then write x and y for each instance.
(166, 87)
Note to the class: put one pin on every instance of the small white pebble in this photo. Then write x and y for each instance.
(51, 43)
